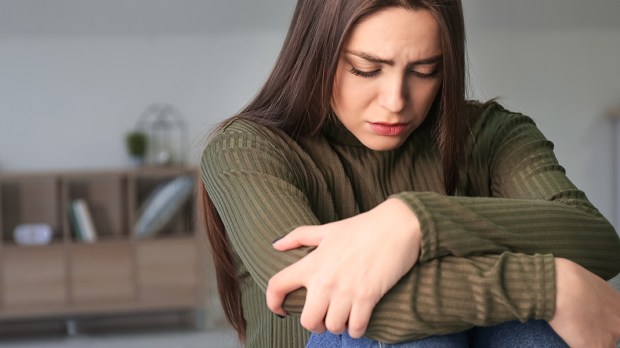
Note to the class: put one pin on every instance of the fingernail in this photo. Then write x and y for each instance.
(275, 240)
(280, 316)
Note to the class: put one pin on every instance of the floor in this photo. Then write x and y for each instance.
(147, 330)
(167, 339)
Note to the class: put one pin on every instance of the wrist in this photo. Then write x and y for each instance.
(401, 215)
(564, 282)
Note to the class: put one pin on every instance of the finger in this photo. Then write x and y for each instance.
(337, 315)
(281, 284)
(313, 315)
(359, 318)
(301, 236)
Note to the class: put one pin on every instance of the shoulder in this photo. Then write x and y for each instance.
(238, 134)
(490, 122)
(245, 147)
(491, 115)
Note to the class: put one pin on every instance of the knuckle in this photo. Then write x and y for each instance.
(323, 285)
(357, 328)
(310, 324)
(343, 291)
(335, 327)
(366, 295)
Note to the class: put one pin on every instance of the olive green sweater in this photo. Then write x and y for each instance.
(487, 255)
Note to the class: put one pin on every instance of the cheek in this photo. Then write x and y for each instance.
(424, 96)
(354, 95)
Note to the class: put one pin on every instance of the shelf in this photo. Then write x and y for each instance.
(142, 184)
(28, 200)
(104, 195)
(115, 273)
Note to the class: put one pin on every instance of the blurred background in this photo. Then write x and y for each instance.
(75, 75)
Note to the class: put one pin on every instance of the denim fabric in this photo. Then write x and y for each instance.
(330, 340)
(532, 334)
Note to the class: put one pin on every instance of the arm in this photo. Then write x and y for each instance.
(261, 197)
(443, 295)
(581, 307)
(536, 208)
(356, 257)
(258, 197)
(454, 294)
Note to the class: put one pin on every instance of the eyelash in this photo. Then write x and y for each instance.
(374, 73)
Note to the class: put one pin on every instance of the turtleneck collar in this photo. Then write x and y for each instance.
(335, 131)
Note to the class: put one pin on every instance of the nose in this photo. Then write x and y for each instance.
(393, 94)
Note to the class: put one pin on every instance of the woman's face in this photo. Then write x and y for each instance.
(388, 76)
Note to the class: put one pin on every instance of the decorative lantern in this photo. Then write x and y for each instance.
(166, 131)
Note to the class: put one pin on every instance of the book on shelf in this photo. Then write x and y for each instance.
(75, 227)
(82, 221)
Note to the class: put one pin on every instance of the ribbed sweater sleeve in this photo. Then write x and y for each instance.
(257, 195)
(534, 208)
(453, 294)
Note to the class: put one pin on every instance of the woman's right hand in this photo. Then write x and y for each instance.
(587, 312)
(357, 261)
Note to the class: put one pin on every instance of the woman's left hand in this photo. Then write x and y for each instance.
(357, 260)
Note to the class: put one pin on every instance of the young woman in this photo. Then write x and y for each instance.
(359, 193)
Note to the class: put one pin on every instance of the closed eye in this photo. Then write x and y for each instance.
(370, 74)
(431, 75)
(364, 74)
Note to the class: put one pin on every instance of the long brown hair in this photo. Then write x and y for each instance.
(297, 96)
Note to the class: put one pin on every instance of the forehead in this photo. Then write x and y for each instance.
(397, 32)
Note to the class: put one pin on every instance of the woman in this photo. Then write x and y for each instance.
(413, 212)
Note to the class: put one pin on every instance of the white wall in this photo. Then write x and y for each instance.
(67, 102)
(556, 61)
(75, 76)
(567, 81)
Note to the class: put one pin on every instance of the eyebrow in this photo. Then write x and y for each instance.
(375, 59)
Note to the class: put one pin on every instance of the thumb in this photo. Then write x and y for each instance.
(301, 236)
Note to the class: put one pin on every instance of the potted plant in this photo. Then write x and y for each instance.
(136, 142)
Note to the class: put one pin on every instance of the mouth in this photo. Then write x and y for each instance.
(388, 129)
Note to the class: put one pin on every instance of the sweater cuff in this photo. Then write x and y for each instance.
(529, 284)
(546, 303)
(428, 240)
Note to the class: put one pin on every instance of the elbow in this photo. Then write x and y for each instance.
(609, 254)
(614, 269)
(598, 250)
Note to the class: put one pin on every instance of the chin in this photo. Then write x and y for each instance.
(383, 144)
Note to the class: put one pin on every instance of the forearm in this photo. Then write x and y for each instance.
(514, 196)
(453, 294)
(466, 226)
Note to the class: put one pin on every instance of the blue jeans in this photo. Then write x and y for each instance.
(513, 334)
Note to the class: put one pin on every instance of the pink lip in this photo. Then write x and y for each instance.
(389, 129)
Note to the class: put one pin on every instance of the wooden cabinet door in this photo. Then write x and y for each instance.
(34, 277)
(102, 273)
(168, 271)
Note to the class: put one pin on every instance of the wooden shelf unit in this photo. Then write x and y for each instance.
(116, 274)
